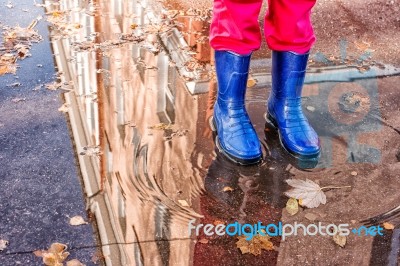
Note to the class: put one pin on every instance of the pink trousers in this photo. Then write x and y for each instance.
(235, 26)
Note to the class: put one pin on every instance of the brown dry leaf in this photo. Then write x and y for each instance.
(292, 206)
(251, 82)
(54, 256)
(255, 245)
(3, 244)
(388, 226)
(133, 26)
(74, 262)
(77, 220)
(340, 240)
(225, 189)
(203, 241)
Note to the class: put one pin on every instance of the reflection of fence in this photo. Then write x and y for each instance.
(120, 92)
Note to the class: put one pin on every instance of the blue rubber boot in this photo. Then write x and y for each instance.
(284, 107)
(236, 137)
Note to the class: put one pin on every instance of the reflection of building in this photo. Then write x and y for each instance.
(131, 103)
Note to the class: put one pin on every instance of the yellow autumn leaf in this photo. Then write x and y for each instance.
(292, 206)
(54, 256)
(225, 189)
(251, 82)
(255, 245)
(340, 240)
(388, 226)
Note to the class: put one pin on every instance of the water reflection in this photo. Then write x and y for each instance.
(156, 168)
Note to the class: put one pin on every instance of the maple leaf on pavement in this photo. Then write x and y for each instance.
(308, 191)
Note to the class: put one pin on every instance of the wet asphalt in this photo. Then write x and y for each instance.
(39, 181)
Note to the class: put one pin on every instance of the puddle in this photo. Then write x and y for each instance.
(139, 123)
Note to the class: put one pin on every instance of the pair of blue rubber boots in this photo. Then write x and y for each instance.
(235, 134)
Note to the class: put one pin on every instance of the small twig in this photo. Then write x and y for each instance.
(333, 187)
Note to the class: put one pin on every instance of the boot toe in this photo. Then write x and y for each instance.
(302, 143)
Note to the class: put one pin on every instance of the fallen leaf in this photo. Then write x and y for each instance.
(308, 191)
(74, 262)
(310, 108)
(301, 202)
(17, 100)
(353, 173)
(3, 244)
(225, 189)
(251, 82)
(14, 85)
(183, 203)
(53, 85)
(255, 245)
(77, 220)
(340, 240)
(292, 206)
(161, 126)
(311, 216)
(203, 241)
(133, 26)
(64, 108)
(388, 226)
(9, 5)
(54, 256)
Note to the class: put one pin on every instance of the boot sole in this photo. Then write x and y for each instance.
(302, 161)
(232, 158)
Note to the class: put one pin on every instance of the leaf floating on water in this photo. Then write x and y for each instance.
(388, 226)
(54, 256)
(3, 244)
(292, 206)
(77, 220)
(251, 82)
(310, 192)
(183, 203)
(340, 240)
(161, 126)
(255, 245)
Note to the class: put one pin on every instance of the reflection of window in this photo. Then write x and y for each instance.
(165, 97)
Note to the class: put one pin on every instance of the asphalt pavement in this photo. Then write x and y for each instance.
(40, 186)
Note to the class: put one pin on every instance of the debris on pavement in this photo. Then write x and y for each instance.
(255, 245)
(339, 240)
(3, 244)
(77, 220)
(54, 256)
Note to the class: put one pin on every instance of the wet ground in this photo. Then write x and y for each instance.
(138, 106)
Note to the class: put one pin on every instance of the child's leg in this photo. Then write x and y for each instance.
(288, 25)
(235, 26)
